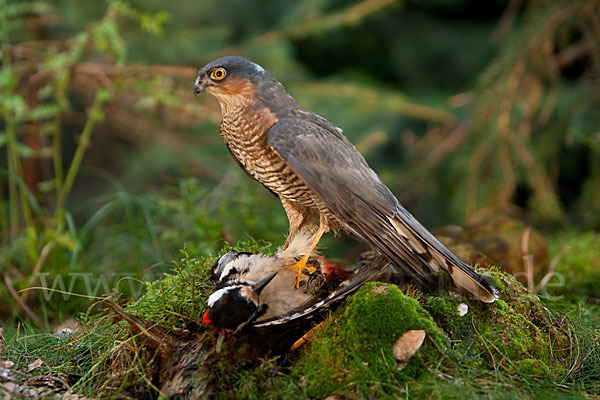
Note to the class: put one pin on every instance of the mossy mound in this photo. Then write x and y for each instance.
(515, 338)
(517, 333)
(515, 347)
(354, 346)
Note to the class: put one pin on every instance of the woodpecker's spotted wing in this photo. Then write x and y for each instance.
(320, 304)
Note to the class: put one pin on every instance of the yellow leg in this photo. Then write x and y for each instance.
(301, 265)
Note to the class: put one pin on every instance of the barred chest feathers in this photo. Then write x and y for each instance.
(245, 131)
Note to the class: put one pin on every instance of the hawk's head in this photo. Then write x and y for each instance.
(230, 78)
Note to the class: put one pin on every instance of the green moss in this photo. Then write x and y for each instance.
(353, 350)
(530, 366)
(578, 264)
(515, 347)
(515, 338)
(497, 275)
(512, 334)
(182, 294)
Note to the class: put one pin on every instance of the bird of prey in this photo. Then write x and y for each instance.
(323, 182)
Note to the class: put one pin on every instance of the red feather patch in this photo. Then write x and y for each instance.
(206, 318)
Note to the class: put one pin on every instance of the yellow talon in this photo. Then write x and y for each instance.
(300, 266)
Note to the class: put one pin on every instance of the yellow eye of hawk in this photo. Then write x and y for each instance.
(218, 74)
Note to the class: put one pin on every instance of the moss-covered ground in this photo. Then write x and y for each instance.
(522, 346)
(514, 348)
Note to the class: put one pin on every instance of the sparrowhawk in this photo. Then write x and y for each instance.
(323, 182)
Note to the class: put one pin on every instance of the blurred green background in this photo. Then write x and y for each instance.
(109, 165)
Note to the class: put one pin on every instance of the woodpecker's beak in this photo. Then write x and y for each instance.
(260, 285)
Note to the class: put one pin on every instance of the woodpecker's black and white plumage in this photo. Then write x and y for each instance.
(235, 304)
(259, 290)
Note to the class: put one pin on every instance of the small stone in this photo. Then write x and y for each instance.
(5, 370)
(407, 345)
(63, 332)
(463, 309)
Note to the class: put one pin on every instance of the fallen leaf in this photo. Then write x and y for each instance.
(34, 365)
(407, 345)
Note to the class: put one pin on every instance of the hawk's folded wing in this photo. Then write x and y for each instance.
(339, 176)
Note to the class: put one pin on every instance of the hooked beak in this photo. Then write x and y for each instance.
(260, 285)
(199, 87)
